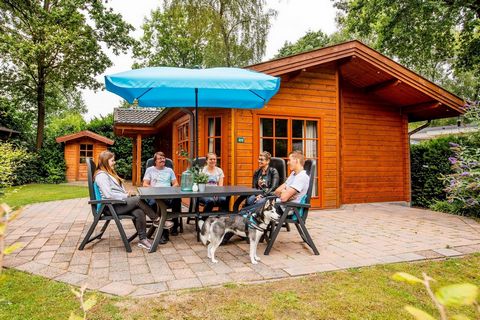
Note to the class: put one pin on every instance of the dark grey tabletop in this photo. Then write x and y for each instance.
(210, 191)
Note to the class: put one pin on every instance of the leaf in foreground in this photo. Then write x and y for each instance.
(406, 277)
(457, 294)
(418, 314)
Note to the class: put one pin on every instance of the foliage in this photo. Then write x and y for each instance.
(462, 185)
(6, 216)
(311, 40)
(428, 161)
(35, 193)
(55, 46)
(122, 148)
(456, 295)
(85, 305)
(438, 39)
(18, 165)
(205, 33)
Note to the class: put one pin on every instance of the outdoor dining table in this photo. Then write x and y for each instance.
(165, 193)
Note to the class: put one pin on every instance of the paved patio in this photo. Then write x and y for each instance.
(354, 236)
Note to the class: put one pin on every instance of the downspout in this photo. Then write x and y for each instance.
(423, 126)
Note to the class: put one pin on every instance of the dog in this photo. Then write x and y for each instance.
(251, 222)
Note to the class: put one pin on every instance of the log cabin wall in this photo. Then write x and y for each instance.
(375, 155)
(77, 171)
(308, 95)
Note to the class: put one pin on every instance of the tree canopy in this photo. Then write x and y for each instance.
(310, 41)
(49, 48)
(205, 33)
(438, 39)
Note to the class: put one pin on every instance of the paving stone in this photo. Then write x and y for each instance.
(31, 267)
(142, 278)
(72, 278)
(215, 279)
(118, 288)
(155, 287)
(184, 284)
(448, 252)
(245, 276)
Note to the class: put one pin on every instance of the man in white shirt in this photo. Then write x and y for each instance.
(159, 175)
(296, 186)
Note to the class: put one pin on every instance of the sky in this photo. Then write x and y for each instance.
(294, 19)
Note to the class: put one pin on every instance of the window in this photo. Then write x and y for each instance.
(86, 152)
(279, 136)
(183, 143)
(214, 137)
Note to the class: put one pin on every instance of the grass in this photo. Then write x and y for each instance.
(364, 293)
(33, 193)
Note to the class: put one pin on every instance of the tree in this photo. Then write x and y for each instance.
(55, 46)
(438, 39)
(205, 33)
(311, 40)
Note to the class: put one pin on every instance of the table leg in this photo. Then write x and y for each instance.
(162, 212)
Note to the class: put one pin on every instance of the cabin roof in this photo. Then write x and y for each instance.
(85, 134)
(371, 71)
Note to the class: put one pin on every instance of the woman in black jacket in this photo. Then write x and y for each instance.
(265, 178)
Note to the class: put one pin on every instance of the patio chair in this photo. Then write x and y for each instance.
(297, 213)
(103, 210)
(279, 164)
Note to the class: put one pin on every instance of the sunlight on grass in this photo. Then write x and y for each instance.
(33, 193)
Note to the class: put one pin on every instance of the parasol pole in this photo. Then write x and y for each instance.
(196, 124)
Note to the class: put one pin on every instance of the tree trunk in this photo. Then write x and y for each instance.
(40, 107)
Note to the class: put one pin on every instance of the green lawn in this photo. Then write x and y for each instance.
(33, 193)
(365, 293)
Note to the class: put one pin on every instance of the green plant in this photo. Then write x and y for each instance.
(200, 177)
(455, 295)
(85, 305)
(6, 216)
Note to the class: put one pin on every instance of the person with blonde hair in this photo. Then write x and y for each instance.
(112, 187)
(296, 186)
(215, 178)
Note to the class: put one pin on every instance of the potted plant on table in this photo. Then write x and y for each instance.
(201, 179)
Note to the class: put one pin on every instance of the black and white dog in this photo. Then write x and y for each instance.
(251, 222)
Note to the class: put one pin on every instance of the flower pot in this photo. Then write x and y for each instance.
(201, 187)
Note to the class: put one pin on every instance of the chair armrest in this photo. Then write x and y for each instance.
(107, 201)
(296, 205)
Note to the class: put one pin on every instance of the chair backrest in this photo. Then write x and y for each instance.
(310, 167)
(279, 164)
(168, 163)
(200, 162)
(91, 167)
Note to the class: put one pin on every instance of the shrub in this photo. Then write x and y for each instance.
(17, 165)
(429, 160)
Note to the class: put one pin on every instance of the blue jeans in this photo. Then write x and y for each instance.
(253, 199)
(211, 202)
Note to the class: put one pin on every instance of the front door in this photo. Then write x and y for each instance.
(86, 152)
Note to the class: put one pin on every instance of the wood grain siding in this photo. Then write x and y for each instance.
(310, 95)
(374, 165)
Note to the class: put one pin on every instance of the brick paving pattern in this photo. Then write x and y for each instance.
(354, 236)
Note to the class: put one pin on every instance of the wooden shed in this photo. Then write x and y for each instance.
(346, 106)
(78, 148)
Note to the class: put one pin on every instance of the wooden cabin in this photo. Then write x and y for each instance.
(347, 106)
(78, 148)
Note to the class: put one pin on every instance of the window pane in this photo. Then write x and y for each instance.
(281, 128)
(82, 160)
(266, 128)
(267, 145)
(218, 147)
(297, 128)
(89, 154)
(211, 127)
(281, 148)
(311, 148)
(83, 147)
(297, 145)
(311, 129)
(218, 127)
(89, 146)
(210, 145)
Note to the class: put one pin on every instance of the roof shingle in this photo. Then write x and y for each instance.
(135, 115)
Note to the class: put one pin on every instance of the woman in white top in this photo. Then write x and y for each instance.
(111, 187)
(215, 178)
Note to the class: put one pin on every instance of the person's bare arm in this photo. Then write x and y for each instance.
(146, 183)
(175, 183)
(279, 190)
(220, 182)
(287, 193)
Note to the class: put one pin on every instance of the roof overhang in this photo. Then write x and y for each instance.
(376, 74)
(85, 134)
